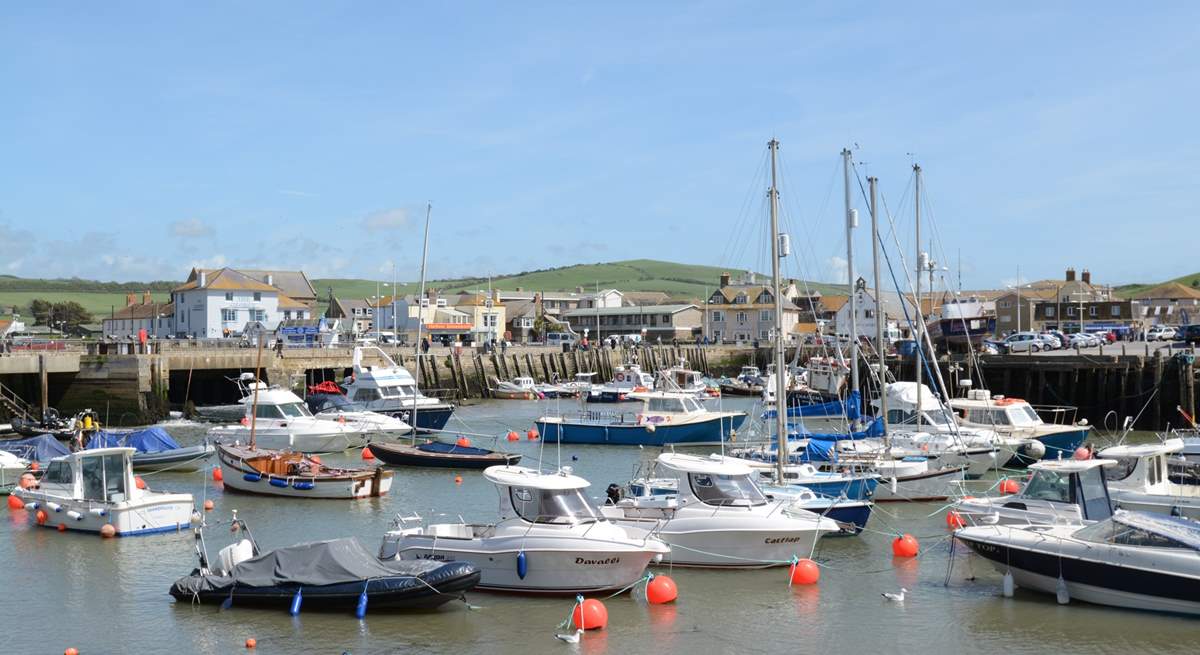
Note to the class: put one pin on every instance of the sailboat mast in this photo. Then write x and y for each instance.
(880, 316)
(421, 314)
(780, 366)
(920, 323)
(851, 223)
(254, 402)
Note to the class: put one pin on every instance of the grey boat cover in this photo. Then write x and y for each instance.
(336, 561)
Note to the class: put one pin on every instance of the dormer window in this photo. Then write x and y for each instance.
(740, 299)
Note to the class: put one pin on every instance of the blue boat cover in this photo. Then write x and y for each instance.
(41, 448)
(150, 440)
(850, 408)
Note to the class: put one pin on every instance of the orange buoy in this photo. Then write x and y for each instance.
(62, 527)
(591, 614)
(217, 475)
(1009, 487)
(208, 505)
(804, 572)
(15, 503)
(905, 546)
(513, 436)
(1082, 453)
(464, 442)
(251, 643)
(139, 482)
(661, 589)
(41, 517)
(954, 520)
(71, 651)
(27, 481)
(315, 458)
(33, 466)
(532, 435)
(458, 479)
(108, 531)
(367, 454)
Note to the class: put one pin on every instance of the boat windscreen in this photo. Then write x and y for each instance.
(1048, 485)
(294, 410)
(554, 506)
(1024, 415)
(1144, 531)
(726, 490)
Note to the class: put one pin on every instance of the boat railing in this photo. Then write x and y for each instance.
(606, 416)
(1056, 414)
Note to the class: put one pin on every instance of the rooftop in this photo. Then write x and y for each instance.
(621, 311)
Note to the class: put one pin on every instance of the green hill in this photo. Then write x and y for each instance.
(1130, 290)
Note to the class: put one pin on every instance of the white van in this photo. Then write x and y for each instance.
(559, 338)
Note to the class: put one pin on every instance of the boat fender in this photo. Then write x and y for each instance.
(252, 477)
(276, 482)
(98, 511)
(522, 565)
(31, 506)
(1008, 584)
(361, 610)
(294, 610)
(1061, 592)
(54, 507)
(303, 485)
(75, 515)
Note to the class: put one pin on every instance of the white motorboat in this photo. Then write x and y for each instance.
(1133, 559)
(336, 407)
(683, 379)
(1013, 417)
(89, 489)
(281, 421)
(390, 389)
(11, 469)
(1140, 480)
(941, 449)
(913, 479)
(718, 516)
(519, 388)
(550, 538)
(581, 385)
(292, 474)
(1059, 492)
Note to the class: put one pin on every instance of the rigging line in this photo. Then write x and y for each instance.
(745, 222)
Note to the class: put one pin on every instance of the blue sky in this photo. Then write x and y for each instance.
(139, 139)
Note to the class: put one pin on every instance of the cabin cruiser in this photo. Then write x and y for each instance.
(1059, 492)
(964, 322)
(626, 380)
(683, 379)
(89, 489)
(1140, 480)
(667, 417)
(550, 538)
(390, 389)
(524, 388)
(1133, 559)
(336, 407)
(1013, 417)
(581, 385)
(719, 517)
(279, 420)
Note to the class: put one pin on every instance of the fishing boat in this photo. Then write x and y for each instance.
(1014, 417)
(389, 388)
(718, 517)
(90, 489)
(337, 574)
(627, 379)
(155, 450)
(961, 322)
(280, 420)
(1140, 479)
(519, 388)
(438, 454)
(273, 472)
(666, 418)
(682, 378)
(550, 538)
(580, 385)
(1132, 559)
(1058, 492)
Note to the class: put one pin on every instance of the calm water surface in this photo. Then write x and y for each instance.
(110, 596)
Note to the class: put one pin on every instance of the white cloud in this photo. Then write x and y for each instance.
(191, 228)
(216, 261)
(385, 220)
(838, 269)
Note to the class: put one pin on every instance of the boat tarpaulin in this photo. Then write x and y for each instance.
(150, 440)
(41, 448)
(336, 561)
(850, 408)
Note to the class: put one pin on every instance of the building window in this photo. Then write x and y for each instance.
(257, 296)
(764, 315)
(1071, 312)
(666, 319)
(1049, 312)
(1005, 304)
(229, 315)
(763, 334)
(718, 317)
(740, 299)
(260, 315)
(868, 313)
(1092, 310)
(1116, 310)
(287, 314)
(1006, 319)
(229, 296)
(741, 317)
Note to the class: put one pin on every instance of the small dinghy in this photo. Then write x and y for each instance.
(156, 450)
(437, 454)
(284, 473)
(339, 574)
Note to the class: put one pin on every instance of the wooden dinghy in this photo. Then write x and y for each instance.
(291, 474)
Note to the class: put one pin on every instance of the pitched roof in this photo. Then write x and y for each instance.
(225, 279)
(288, 302)
(643, 309)
(140, 311)
(291, 283)
(519, 308)
(834, 303)
(646, 297)
(1169, 291)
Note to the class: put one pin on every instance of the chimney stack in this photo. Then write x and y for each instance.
(130, 299)
(146, 298)
(1071, 274)
(1087, 276)
(203, 279)
(724, 280)
(270, 280)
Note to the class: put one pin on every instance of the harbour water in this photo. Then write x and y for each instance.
(110, 595)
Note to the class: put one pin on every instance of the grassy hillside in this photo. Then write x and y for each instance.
(1130, 290)
(98, 303)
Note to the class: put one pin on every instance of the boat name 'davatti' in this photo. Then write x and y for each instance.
(598, 562)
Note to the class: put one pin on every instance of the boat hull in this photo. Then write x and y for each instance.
(1057, 443)
(238, 476)
(630, 434)
(695, 542)
(404, 455)
(149, 515)
(191, 458)
(932, 485)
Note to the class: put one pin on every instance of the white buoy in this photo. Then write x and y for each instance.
(1061, 592)
(98, 511)
(1009, 585)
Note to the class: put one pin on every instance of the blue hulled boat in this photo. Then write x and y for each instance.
(666, 418)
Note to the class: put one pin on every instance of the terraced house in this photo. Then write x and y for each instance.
(745, 312)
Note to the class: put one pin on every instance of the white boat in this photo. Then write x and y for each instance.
(292, 474)
(550, 538)
(1058, 492)
(682, 379)
(1013, 417)
(581, 385)
(336, 407)
(719, 517)
(11, 469)
(1133, 559)
(519, 388)
(282, 421)
(626, 380)
(390, 389)
(1140, 480)
(89, 489)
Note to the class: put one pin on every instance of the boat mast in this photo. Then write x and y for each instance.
(851, 223)
(254, 403)
(879, 314)
(920, 323)
(780, 384)
(421, 317)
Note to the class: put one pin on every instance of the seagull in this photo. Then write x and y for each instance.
(572, 638)
(898, 598)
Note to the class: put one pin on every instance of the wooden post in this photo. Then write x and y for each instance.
(1158, 405)
(529, 365)
(43, 383)
(485, 386)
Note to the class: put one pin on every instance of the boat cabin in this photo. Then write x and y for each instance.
(1143, 529)
(749, 373)
(1069, 482)
(631, 377)
(1144, 467)
(980, 408)
(276, 403)
(524, 383)
(662, 403)
(543, 498)
(712, 480)
(101, 475)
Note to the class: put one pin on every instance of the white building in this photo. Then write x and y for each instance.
(603, 299)
(156, 318)
(215, 304)
(868, 312)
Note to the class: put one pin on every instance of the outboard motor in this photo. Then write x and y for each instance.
(614, 493)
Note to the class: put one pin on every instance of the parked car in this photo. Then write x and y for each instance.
(1160, 333)
(1190, 334)
(1062, 338)
(1051, 340)
(1020, 342)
